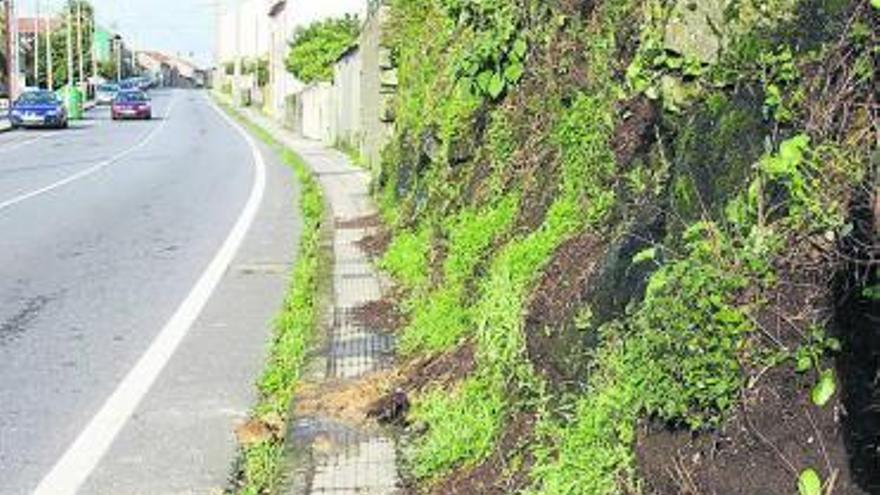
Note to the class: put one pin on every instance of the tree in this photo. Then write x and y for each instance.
(317, 47)
(58, 40)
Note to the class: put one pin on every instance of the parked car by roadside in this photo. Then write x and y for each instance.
(131, 104)
(105, 93)
(38, 108)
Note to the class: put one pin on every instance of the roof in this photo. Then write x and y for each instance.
(30, 25)
(277, 8)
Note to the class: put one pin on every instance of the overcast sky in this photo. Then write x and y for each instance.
(172, 26)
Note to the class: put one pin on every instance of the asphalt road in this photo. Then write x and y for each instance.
(105, 230)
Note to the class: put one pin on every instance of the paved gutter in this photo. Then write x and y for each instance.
(328, 456)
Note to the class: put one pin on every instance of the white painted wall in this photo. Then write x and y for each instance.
(319, 112)
(297, 14)
(244, 29)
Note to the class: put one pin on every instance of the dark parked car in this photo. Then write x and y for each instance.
(131, 104)
(38, 108)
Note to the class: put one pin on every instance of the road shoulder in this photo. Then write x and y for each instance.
(329, 453)
(181, 437)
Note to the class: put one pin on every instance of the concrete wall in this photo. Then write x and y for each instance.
(348, 124)
(354, 110)
(318, 112)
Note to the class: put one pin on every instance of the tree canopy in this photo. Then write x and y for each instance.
(317, 47)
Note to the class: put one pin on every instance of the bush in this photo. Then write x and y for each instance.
(317, 47)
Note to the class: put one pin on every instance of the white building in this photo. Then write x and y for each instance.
(243, 31)
(265, 28)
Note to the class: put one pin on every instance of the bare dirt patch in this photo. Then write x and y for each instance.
(777, 431)
(775, 435)
(418, 375)
(348, 402)
(634, 130)
(506, 471)
(365, 222)
(382, 315)
(554, 344)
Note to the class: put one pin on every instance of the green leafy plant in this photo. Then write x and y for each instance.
(316, 48)
(824, 388)
(810, 353)
(496, 58)
(809, 483)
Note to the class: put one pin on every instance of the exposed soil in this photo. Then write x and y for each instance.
(777, 431)
(442, 370)
(257, 430)
(381, 315)
(364, 222)
(633, 132)
(775, 435)
(376, 241)
(858, 320)
(506, 471)
(348, 402)
(555, 346)
(418, 375)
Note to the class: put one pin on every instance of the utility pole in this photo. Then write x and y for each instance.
(93, 47)
(69, 46)
(11, 50)
(79, 42)
(36, 26)
(118, 42)
(7, 11)
(50, 66)
(236, 77)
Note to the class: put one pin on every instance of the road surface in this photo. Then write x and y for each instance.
(109, 231)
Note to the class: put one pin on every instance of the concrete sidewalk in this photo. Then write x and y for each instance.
(330, 457)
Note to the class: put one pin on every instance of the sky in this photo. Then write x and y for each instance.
(184, 27)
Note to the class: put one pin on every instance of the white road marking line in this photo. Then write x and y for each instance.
(19, 144)
(82, 124)
(94, 168)
(81, 458)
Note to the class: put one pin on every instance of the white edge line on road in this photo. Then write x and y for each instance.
(84, 454)
(94, 168)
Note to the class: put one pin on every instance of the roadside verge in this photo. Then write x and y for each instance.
(334, 444)
(261, 438)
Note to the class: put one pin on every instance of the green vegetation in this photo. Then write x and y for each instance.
(316, 48)
(809, 483)
(464, 424)
(260, 463)
(259, 67)
(522, 126)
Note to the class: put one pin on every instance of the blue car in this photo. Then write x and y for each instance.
(38, 108)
